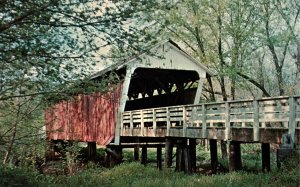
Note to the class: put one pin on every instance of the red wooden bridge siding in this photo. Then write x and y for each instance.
(87, 118)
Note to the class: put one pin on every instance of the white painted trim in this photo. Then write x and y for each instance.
(123, 99)
(199, 91)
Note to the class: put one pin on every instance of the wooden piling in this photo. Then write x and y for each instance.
(179, 155)
(144, 155)
(158, 157)
(186, 160)
(168, 152)
(192, 148)
(235, 160)
(183, 159)
(91, 148)
(136, 153)
(265, 151)
(213, 155)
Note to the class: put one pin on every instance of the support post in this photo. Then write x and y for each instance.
(256, 121)
(168, 121)
(142, 123)
(184, 120)
(144, 155)
(179, 155)
(136, 153)
(91, 147)
(168, 152)
(192, 148)
(265, 151)
(213, 155)
(235, 160)
(123, 99)
(154, 122)
(131, 124)
(158, 157)
(204, 133)
(227, 121)
(183, 160)
(187, 160)
(292, 119)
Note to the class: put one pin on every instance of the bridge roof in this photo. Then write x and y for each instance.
(121, 64)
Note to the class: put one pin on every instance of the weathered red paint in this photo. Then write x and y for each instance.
(86, 118)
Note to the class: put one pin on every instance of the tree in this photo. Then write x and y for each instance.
(231, 37)
(238, 40)
(58, 41)
(46, 46)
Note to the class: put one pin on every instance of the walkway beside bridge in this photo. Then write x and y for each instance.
(263, 121)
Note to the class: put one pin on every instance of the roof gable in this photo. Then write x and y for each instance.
(166, 55)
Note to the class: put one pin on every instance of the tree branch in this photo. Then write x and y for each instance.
(19, 19)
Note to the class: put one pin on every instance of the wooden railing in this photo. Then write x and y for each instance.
(268, 113)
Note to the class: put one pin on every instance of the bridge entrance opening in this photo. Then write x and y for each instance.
(151, 88)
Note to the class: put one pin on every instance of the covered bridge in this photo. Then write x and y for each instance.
(166, 76)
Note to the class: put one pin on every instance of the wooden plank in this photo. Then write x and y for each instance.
(276, 109)
(256, 121)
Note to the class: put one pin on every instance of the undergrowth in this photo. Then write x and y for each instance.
(133, 174)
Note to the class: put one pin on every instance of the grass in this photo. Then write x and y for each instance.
(133, 174)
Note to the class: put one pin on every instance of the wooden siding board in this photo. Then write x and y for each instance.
(86, 118)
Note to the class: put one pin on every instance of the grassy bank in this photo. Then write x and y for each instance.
(134, 174)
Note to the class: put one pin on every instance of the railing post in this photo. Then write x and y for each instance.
(122, 124)
(227, 121)
(168, 121)
(292, 119)
(184, 121)
(204, 134)
(142, 123)
(131, 124)
(154, 121)
(255, 121)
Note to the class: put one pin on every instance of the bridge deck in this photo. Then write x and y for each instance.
(264, 120)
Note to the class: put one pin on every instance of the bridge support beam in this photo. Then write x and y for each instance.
(265, 152)
(213, 155)
(144, 155)
(235, 160)
(168, 152)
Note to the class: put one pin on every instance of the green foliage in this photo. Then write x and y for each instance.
(134, 174)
